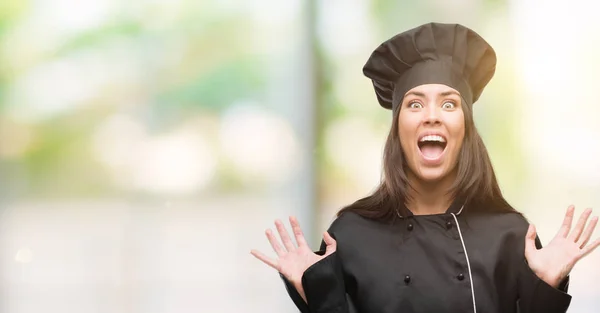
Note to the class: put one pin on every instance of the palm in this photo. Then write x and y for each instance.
(556, 260)
(293, 264)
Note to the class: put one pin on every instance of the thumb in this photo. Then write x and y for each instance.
(530, 241)
(330, 242)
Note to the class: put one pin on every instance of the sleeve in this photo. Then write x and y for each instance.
(323, 284)
(536, 296)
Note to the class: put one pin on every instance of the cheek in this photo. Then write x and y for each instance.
(457, 126)
(403, 140)
(458, 132)
(406, 133)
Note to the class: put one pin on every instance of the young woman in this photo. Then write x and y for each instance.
(437, 234)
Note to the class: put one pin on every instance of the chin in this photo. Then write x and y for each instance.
(431, 175)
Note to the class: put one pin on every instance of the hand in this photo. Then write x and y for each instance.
(292, 261)
(554, 262)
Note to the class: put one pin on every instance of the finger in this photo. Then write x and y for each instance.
(576, 233)
(298, 234)
(285, 237)
(589, 248)
(587, 233)
(267, 260)
(567, 222)
(274, 243)
(328, 239)
(330, 242)
(530, 241)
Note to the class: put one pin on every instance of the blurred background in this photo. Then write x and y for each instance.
(146, 145)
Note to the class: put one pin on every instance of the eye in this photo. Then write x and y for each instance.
(415, 105)
(448, 105)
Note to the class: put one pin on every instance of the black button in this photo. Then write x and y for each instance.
(448, 224)
(460, 276)
(410, 226)
(407, 279)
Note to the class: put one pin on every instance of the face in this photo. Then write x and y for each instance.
(431, 127)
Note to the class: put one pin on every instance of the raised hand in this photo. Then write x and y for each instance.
(293, 260)
(555, 261)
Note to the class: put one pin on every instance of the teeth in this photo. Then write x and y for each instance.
(432, 138)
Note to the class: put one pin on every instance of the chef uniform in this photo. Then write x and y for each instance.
(469, 259)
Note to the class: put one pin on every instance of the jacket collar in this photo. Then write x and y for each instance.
(456, 208)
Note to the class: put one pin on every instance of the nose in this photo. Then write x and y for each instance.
(432, 115)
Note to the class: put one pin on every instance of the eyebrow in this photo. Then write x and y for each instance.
(443, 94)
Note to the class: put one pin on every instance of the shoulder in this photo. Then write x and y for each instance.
(512, 223)
(350, 224)
(345, 222)
(503, 232)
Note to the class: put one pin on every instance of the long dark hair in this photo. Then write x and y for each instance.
(475, 180)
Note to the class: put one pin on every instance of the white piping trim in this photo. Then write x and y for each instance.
(461, 208)
(468, 263)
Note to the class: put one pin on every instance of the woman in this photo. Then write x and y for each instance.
(437, 234)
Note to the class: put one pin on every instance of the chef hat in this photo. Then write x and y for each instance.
(433, 53)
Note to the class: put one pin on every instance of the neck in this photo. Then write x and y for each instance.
(430, 197)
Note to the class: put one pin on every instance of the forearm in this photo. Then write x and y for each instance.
(538, 296)
(321, 289)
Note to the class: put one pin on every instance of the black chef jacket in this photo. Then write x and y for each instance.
(456, 262)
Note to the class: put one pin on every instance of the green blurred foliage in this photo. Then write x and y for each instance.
(10, 12)
(217, 88)
(61, 162)
(217, 63)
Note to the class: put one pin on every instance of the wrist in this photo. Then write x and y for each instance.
(300, 289)
(551, 280)
(297, 283)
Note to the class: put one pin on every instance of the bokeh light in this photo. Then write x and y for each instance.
(146, 145)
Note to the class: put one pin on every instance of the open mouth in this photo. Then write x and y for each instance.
(432, 146)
